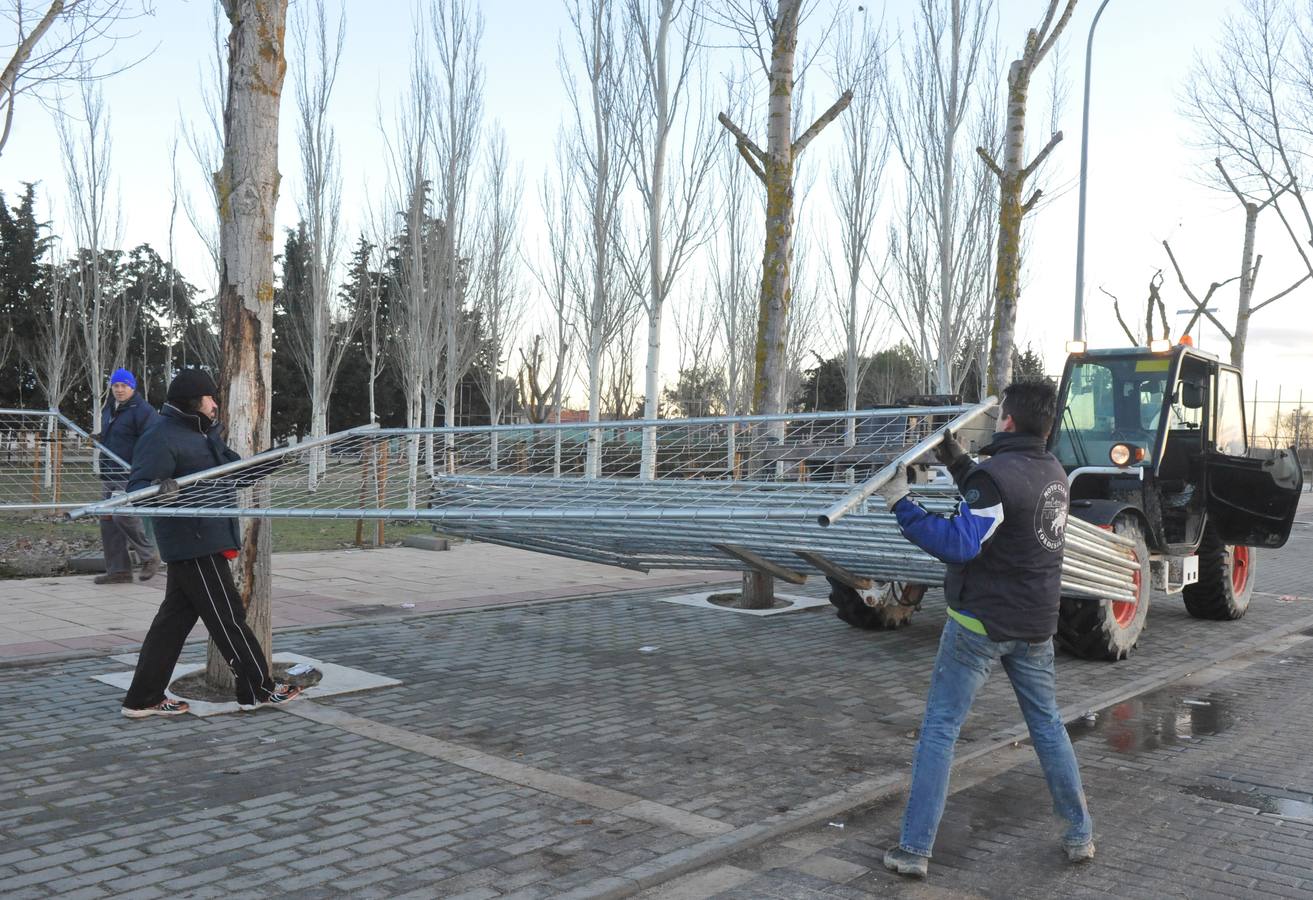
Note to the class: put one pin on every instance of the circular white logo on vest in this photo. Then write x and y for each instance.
(1051, 516)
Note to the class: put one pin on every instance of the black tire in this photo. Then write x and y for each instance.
(851, 608)
(1224, 588)
(1105, 629)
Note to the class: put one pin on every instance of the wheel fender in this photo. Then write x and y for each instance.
(1104, 512)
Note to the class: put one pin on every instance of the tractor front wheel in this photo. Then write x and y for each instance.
(894, 608)
(1108, 628)
(1226, 580)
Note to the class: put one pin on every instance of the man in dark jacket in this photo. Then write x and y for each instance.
(1003, 548)
(188, 439)
(123, 421)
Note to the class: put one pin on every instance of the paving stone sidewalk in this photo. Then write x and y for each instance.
(585, 746)
(44, 617)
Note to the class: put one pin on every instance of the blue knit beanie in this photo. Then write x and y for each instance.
(123, 376)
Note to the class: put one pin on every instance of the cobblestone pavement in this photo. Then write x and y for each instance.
(1203, 789)
(594, 746)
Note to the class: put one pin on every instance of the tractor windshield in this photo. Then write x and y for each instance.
(1111, 401)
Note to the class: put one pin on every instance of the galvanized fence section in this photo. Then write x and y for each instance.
(725, 493)
(49, 463)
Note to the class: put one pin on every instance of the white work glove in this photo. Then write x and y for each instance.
(894, 489)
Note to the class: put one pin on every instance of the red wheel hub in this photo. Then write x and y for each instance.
(1239, 568)
(1123, 611)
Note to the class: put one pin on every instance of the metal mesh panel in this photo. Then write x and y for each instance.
(730, 493)
(48, 463)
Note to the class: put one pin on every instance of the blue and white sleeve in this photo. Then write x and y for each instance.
(958, 538)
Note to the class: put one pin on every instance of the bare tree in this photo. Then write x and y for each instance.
(1012, 177)
(458, 106)
(769, 30)
(557, 276)
(1153, 304)
(855, 177)
(670, 151)
(602, 297)
(733, 271)
(936, 241)
(51, 348)
(317, 337)
(1250, 103)
(774, 25)
(247, 186)
(87, 158)
(412, 257)
(499, 300)
(66, 42)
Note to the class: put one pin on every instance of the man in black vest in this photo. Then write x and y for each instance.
(1003, 547)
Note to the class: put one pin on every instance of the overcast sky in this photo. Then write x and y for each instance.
(1145, 170)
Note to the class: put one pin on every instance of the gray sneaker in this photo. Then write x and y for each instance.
(896, 859)
(1080, 853)
(149, 568)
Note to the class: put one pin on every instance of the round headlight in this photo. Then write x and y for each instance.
(1120, 454)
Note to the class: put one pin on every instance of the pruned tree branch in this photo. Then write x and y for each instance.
(819, 125)
(1117, 311)
(744, 142)
(989, 161)
(1201, 306)
(1041, 156)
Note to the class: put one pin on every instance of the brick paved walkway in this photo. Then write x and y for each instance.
(534, 751)
(1200, 790)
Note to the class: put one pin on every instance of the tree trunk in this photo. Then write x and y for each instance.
(1006, 272)
(1247, 274)
(247, 188)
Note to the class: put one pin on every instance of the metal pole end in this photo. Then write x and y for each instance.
(823, 520)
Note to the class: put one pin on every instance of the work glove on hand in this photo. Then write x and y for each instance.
(168, 487)
(949, 451)
(894, 489)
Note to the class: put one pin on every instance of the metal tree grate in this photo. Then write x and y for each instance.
(749, 492)
(49, 463)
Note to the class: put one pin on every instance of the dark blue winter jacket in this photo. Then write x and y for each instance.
(121, 426)
(179, 444)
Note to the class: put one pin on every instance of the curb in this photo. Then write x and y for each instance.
(874, 790)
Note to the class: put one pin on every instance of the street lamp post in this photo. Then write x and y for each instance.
(1078, 329)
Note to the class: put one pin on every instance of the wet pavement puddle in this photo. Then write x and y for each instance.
(1161, 718)
(1265, 803)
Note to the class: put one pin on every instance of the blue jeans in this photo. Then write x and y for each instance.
(961, 667)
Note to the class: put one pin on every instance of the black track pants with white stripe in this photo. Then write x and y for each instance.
(199, 588)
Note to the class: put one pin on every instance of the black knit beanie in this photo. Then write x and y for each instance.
(190, 383)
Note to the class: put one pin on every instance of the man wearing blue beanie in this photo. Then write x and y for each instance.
(123, 420)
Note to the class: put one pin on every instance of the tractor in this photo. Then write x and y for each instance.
(1156, 448)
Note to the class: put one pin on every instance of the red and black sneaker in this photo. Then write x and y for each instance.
(282, 693)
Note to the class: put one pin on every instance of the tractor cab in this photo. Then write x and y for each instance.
(1165, 430)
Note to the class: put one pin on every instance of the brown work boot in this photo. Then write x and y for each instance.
(114, 578)
(149, 568)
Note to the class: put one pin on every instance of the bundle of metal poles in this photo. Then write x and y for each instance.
(788, 495)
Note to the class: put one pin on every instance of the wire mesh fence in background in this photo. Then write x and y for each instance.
(1280, 418)
(48, 463)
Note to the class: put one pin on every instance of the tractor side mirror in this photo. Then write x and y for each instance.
(1192, 395)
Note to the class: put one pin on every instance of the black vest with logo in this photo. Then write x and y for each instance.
(1014, 585)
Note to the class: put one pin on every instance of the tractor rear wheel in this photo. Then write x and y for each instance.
(1226, 579)
(1109, 629)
